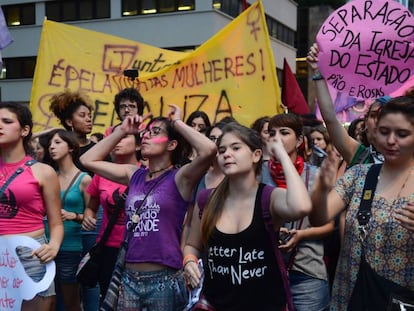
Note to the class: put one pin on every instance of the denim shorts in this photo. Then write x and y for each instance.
(34, 267)
(160, 290)
(66, 266)
(308, 293)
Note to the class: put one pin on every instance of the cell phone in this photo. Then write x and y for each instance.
(284, 237)
(320, 153)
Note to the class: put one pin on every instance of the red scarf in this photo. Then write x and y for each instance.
(276, 171)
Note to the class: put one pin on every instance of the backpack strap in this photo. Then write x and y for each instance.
(265, 192)
(15, 174)
(202, 199)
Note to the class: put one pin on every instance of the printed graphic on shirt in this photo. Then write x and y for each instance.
(8, 208)
(148, 215)
(117, 199)
(239, 264)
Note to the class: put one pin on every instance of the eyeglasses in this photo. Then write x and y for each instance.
(129, 106)
(154, 131)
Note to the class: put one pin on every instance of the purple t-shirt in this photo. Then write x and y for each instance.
(108, 193)
(156, 238)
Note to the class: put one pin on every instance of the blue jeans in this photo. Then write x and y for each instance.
(67, 263)
(308, 293)
(163, 290)
(91, 296)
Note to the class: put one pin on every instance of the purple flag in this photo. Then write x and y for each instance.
(5, 37)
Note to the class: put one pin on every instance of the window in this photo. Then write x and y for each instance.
(230, 7)
(185, 5)
(148, 7)
(18, 68)
(86, 9)
(280, 31)
(102, 8)
(275, 28)
(142, 7)
(167, 6)
(71, 10)
(20, 14)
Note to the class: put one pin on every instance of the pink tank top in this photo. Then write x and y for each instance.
(21, 205)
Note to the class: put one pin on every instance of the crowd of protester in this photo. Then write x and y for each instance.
(205, 196)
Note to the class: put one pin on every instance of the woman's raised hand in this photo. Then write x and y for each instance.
(276, 148)
(328, 171)
(134, 124)
(174, 112)
(312, 57)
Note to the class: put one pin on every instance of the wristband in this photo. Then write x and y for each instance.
(189, 258)
(317, 77)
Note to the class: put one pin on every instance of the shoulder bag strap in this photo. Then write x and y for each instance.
(17, 172)
(371, 180)
(70, 185)
(265, 204)
(114, 217)
(299, 223)
(364, 211)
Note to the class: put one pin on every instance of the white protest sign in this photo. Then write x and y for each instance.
(367, 48)
(15, 284)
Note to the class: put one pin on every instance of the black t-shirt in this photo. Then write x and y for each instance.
(241, 272)
(82, 150)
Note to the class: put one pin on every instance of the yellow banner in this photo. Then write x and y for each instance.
(232, 74)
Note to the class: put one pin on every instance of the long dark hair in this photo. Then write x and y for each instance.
(24, 116)
(259, 123)
(198, 114)
(67, 137)
(214, 206)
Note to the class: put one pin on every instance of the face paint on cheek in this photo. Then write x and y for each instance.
(159, 140)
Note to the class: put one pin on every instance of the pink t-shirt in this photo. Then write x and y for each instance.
(21, 205)
(108, 192)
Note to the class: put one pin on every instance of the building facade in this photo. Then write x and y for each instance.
(180, 25)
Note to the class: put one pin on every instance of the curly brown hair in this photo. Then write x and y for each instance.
(64, 104)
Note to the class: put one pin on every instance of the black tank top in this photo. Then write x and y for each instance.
(241, 272)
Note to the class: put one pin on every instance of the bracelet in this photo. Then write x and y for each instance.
(78, 218)
(187, 262)
(317, 77)
(189, 258)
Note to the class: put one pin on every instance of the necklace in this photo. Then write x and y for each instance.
(405, 182)
(151, 174)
